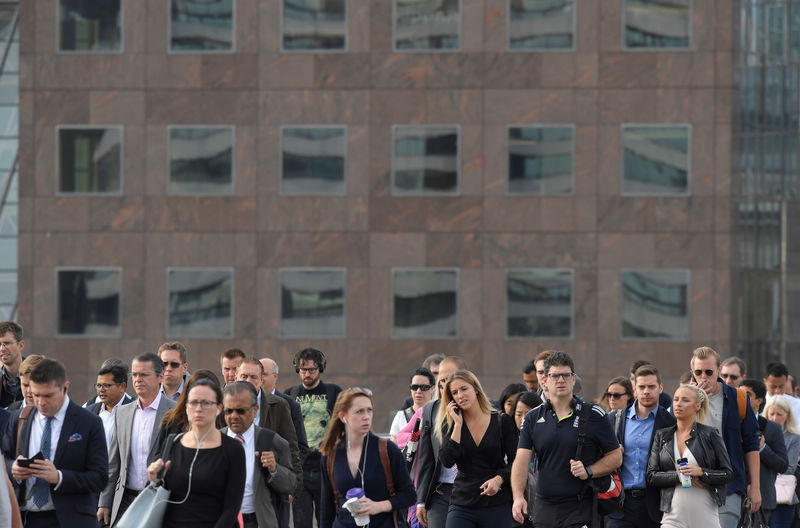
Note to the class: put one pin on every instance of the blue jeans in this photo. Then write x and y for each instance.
(467, 517)
(782, 516)
(306, 506)
(730, 513)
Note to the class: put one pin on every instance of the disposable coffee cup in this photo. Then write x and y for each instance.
(352, 505)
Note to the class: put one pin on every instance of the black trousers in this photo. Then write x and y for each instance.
(570, 514)
(633, 515)
(46, 519)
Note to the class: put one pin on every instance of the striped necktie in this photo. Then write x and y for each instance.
(41, 490)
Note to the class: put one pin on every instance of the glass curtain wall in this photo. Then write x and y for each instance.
(9, 200)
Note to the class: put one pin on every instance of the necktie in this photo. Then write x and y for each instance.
(41, 490)
(240, 438)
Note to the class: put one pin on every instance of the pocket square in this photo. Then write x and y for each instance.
(75, 438)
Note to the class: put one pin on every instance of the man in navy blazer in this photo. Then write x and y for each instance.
(634, 428)
(63, 489)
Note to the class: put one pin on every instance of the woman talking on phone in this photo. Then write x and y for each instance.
(482, 443)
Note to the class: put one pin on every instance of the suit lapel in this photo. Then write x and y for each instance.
(67, 428)
(262, 418)
(162, 409)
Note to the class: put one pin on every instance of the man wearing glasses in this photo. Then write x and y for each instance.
(740, 435)
(316, 399)
(176, 368)
(112, 381)
(270, 476)
(136, 428)
(11, 345)
(733, 371)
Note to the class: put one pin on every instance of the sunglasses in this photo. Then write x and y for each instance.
(732, 377)
(173, 364)
(708, 372)
(238, 410)
(615, 395)
(420, 387)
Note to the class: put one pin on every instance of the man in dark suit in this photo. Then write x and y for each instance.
(61, 490)
(136, 428)
(634, 428)
(271, 476)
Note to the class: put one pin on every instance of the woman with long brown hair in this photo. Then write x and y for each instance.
(352, 467)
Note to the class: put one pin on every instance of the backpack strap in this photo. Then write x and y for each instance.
(24, 413)
(387, 472)
(583, 420)
(329, 460)
(617, 422)
(741, 400)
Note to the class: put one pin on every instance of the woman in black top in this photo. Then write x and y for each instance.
(482, 444)
(206, 469)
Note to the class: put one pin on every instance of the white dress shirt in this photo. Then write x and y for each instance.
(108, 420)
(35, 445)
(141, 435)
(248, 500)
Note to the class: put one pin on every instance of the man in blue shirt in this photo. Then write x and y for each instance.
(635, 432)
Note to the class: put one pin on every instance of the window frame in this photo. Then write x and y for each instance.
(121, 49)
(393, 335)
(689, 160)
(393, 169)
(345, 128)
(572, 48)
(307, 269)
(571, 336)
(170, 128)
(508, 192)
(232, 322)
(316, 51)
(624, 46)
(57, 294)
(457, 49)
(57, 161)
(171, 51)
(688, 274)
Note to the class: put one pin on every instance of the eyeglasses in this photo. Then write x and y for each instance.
(173, 364)
(203, 404)
(615, 395)
(8, 344)
(105, 386)
(309, 370)
(238, 410)
(359, 389)
(732, 377)
(420, 387)
(561, 375)
(708, 372)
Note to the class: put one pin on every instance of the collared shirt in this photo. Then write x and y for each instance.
(108, 419)
(174, 397)
(258, 406)
(638, 433)
(35, 445)
(141, 434)
(248, 500)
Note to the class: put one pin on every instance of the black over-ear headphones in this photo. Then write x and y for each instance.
(310, 354)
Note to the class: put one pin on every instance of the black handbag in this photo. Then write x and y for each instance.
(752, 520)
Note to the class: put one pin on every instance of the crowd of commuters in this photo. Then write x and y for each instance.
(234, 451)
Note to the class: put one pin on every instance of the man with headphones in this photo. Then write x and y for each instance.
(316, 399)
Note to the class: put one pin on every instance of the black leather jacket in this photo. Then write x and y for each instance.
(706, 445)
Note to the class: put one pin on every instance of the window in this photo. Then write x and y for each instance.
(313, 303)
(201, 160)
(664, 24)
(425, 160)
(425, 303)
(313, 159)
(90, 26)
(314, 25)
(89, 302)
(539, 303)
(427, 25)
(89, 159)
(541, 25)
(655, 159)
(201, 26)
(655, 304)
(540, 160)
(200, 302)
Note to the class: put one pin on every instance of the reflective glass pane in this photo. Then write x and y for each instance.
(8, 287)
(425, 160)
(314, 25)
(90, 160)
(202, 25)
(313, 303)
(12, 59)
(201, 161)
(200, 303)
(9, 215)
(9, 88)
(540, 160)
(657, 23)
(9, 121)
(7, 14)
(540, 24)
(8, 151)
(539, 303)
(8, 252)
(90, 25)
(655, 304)
(427, 24)
(313, 160)
(425, 304)
(656, 160)
(89, 302)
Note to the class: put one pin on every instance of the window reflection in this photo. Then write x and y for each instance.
(201, 160)
(314, 25)
(427, 24)
(425, 303)
(202, 25)
(426, 160)
(200, 303)
(90, 25)
(657, 23)
(89, 302)
(313, 160)
(540, 160)
(540, 24)
(90, 160)
(655, 159)
(539, 303)
(312, 303)
(655, 304)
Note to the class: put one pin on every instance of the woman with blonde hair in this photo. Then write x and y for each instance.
(352, 465)
(482, 443)
(690, 463)
(779, 410)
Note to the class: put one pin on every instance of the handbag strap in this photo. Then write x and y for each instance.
(387, 472)
(23, 417)
(165, 454)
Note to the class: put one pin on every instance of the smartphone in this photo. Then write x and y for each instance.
(26, 462)
(458, 410)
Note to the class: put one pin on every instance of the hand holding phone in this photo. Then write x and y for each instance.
(26, 462)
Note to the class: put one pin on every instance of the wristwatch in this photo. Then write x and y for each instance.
(589, 471)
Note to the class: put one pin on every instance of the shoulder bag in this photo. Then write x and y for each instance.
(610, 499)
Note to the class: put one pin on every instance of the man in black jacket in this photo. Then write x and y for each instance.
(634, 428)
